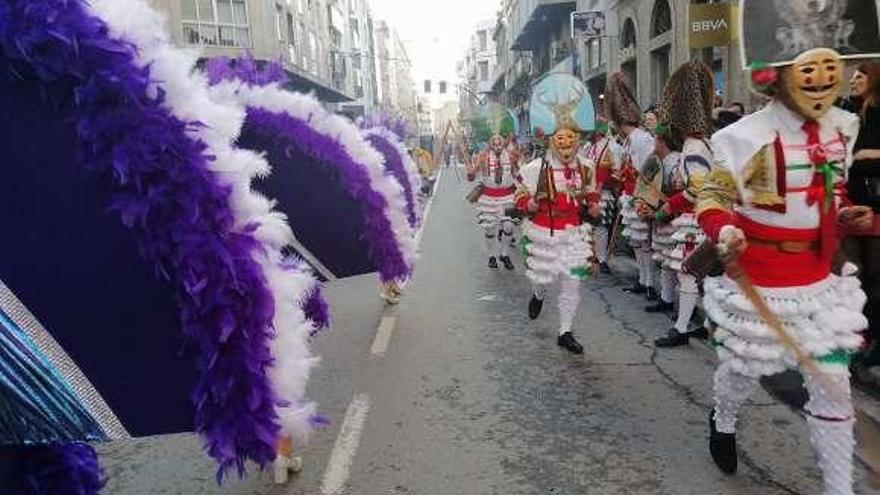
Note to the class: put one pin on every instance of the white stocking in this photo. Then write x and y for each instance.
(640, 262)
(668, 279)
(569, 298)
(504, 238)
(831, 429)
(492, 241)
(602, 244)
(688, 292)
(732, 389)
(539, 290)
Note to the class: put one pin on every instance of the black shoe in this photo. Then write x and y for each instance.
(700, 333)
(672, 339)
(636, 289)
(651, 294)
(567, 342)
(505, 260)
(722, 446)
(660, 307)
(493, 263)
(604, 269)
(535, 306)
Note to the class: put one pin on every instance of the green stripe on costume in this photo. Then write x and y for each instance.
(580, 272)
(836, 357)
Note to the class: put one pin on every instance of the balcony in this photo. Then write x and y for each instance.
(532, 19)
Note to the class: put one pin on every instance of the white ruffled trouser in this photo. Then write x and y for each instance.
(564, 255)
(497, 227)
(825, 318)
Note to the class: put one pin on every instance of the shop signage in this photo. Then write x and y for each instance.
(710, 24)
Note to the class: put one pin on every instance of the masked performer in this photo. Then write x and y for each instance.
(603, 155)
(686, 113)
(496, 170)
(638, 144)
(558, 195)
(773, 202)
(667, 148)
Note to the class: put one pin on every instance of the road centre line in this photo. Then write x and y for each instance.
(347, 442)
(383, 335)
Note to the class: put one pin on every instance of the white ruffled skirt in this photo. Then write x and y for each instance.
(566, 253)
(825, 318)
(490, 210)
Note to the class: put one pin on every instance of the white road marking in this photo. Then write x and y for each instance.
(428, 208)
(345, 448)
(383, 335)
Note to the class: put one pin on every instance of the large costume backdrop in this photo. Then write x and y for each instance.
(322, 168)
(144, 286)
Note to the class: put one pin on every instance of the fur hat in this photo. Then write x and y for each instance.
(686, 104)
(621, 106)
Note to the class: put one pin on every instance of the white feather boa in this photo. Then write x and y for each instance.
(305, 107)
(188, 98)
(412, 171)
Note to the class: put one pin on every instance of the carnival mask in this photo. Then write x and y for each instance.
(813, 82)
(496, 144)
(564, 144)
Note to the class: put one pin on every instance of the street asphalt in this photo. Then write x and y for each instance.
(458, 393)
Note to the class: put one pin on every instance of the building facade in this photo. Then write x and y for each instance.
(645, 39)
(396, 92)
(477, 71)
(326, 46)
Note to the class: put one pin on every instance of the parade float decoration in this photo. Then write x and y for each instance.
(399, 165)
(143, 291)
(349, 216)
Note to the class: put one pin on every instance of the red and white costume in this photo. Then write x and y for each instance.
(779, 178)
(497, 174)
(637, 148)
(604, 157)
(556, 243)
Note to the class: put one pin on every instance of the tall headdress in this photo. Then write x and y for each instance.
(686, 105)
(493, 119)
(621, 106)
(775, 32)
(561, 101)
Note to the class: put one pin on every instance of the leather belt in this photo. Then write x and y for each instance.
(790, 247)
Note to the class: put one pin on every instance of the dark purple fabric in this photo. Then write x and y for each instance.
(246, 69)
(316, 310)
(380, 240)
(178, 208)
(394, 165)
(70, 469)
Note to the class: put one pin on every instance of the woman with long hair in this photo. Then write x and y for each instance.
(863, 248)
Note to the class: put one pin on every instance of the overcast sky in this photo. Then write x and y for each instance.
(436, 33)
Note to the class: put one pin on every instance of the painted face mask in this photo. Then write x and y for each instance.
(496, 144)
(564, 144)
(813, 82)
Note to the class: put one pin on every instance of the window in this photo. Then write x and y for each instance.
(661, 18)
(484, 71)
(427, 85)
(442, 87)
(482, 41)
(291, 38)
(216, 23)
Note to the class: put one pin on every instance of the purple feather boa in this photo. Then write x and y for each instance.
(394, 165)
(70, 469)
(379, 236)
(316, 310)
(394, 124)
(219, 69)
(178, 209)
